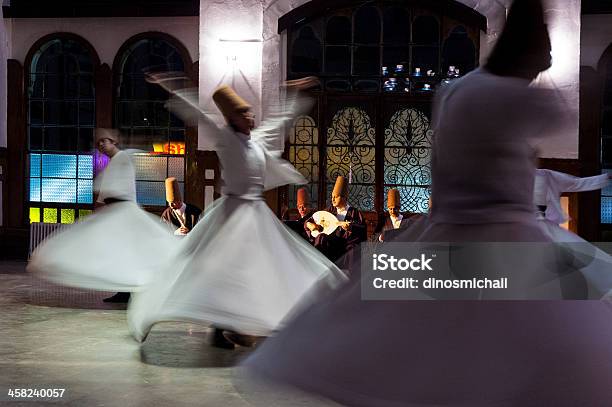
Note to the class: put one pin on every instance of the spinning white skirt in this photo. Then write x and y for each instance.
(240, 269)
(593, 263)
(118, 248)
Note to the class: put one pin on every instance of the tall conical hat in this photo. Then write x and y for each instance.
(173, 193)
(341, 187)
(228, 101)
(302, 197)
(393, 198)
(524, 42)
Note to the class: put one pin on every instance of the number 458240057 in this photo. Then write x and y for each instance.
(36, 393)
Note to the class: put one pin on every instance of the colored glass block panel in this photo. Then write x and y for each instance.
(59, 165)
(50, 215)
(34, 189)
(151, 193)
(85, 191)
(85, 166)
(84, 212)
(34, 165)
(59, 190)
(606, 209)
(150, 168)
(67, 215)
(34, 215)
(176, 168)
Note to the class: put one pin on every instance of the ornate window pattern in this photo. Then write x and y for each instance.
(408, 158)
(143, 120)
(350, 152)
(61, 119)
(380, 63)
(304, 154)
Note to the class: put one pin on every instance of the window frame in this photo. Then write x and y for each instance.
(28, 74)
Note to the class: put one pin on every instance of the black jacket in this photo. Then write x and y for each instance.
(192, 215)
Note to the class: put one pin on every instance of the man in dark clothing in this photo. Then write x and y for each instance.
(305, 212)
(392, 219)
(352, 229)
(179, 215)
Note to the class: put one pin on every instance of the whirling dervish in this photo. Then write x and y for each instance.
(593, 263)
(239, 269)
(462, 353)
(548, 188)
(114, 248)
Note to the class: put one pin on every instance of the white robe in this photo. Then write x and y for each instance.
(118, 180)
(117, 248)
(239, 268)
(594, 264)
(550, 185)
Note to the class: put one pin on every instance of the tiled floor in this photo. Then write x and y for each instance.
(56, 337)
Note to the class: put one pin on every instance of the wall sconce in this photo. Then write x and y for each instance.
(233, 48)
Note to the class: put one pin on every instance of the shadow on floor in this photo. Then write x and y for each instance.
(188, 350)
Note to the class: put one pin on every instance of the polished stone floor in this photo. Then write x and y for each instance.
(54, 337)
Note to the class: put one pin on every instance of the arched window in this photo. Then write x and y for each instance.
(381, 64)
(459, 50)
(141, 117)
(307, 55)
(61, 118)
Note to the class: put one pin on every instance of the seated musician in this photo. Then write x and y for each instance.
(349, 234)
(305, 211)
(412, 226)
(179, 215)
(393, 218)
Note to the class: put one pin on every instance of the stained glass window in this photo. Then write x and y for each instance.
(50, 215)
(304, 154)
(144, 121)
(67, 215)
(84, 212)
(606, 203)
(408, 158)
(58, 178)
(151, 171)
(350, 152)
(61, 119)
(34, 215)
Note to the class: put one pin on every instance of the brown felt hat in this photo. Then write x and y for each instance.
(228, 101)
(302, 197)
(341, 187)
(173, 193)
(393, 198)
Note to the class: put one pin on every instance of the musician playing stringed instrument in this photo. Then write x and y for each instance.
(350, 228)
